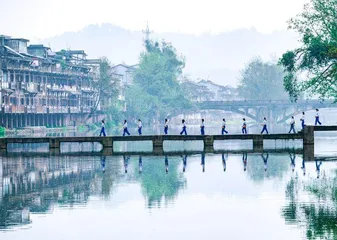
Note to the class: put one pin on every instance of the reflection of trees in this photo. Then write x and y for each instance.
(318, 216)
(36, 184)
(277, 166)
(157, 185)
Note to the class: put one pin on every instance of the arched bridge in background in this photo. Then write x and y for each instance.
(276, 111)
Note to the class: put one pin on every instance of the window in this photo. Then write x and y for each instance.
(22, 101)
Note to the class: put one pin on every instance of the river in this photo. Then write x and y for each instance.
(234, 195)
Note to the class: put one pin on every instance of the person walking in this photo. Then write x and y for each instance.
(317, 118)
(125, 128)
(223, 128)
(303, 120)
(244, 126)
(166, 127)
(184, 128)
(264, 126)
(140, 126)
(102, 129)
(202, 127)
(292, 125)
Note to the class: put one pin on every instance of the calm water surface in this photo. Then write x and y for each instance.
(199, 196)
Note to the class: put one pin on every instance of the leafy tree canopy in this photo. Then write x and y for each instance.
(262, 81)
(315, 60)
(156, 92)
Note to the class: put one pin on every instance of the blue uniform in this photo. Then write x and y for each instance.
(264, 129)
(244, 128)
(184, 130)
(292, 126)
(166, 128)
(102, 130)
(202, 129)
(317, 119)
(303, 121)
(140, 126)
(224, 128)
(125, 129)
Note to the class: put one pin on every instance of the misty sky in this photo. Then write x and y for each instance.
(36, 19)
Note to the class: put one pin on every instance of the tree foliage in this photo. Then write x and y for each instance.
(262, 81)
(155, 91)
(108, 89)
(315, 60)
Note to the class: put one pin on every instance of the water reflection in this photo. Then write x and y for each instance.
(223, 162)
(317, 216)
(32, 185)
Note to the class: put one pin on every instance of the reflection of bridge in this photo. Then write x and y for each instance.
(275, 110)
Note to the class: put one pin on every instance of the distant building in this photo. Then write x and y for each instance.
(126, 73)
(219, 93)
(41, 88)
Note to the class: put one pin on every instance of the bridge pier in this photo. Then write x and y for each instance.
(158, 144)
(308, 143)
(308, 135)
(258, 142)
(54, 143)
(107, 142)
(3, 144)
(209, 143)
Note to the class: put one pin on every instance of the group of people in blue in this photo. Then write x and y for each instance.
(223, 126)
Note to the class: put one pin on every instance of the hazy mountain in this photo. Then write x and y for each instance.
(217, 57)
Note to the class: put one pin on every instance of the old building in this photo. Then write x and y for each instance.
(42, 88)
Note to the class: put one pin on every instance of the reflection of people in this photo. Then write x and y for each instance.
(140, 164)
(203, 162)
(292, 159)
(264, 126)
(223, 162)
(317, 118)
(244, 126)
(318, 168)
(265, 160)
(292, 125)
(166, 164)
(303, 167)
(202, 127)
(103, 163)
(126, 163)
(184, 162)
(244, 160)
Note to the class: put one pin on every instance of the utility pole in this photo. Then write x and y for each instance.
(147, 32)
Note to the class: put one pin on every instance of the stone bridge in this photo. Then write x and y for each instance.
(276, 111)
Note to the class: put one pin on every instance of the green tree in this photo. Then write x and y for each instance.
(108, 88)
(156, 92)
(262, 81)
(312, 67)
